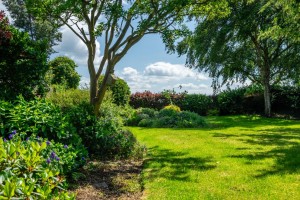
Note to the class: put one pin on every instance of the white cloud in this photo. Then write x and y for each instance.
(161, 75)
(129, 71)
(177, 71)
(74, 48)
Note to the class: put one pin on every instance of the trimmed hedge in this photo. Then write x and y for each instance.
(245, 100)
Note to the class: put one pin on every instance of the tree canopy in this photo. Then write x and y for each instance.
(23, 63)
(63, 72)
(239, 47)
(38, 29)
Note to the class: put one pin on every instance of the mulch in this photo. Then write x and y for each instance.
(109, 180)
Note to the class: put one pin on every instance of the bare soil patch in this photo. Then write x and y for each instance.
(109, 180)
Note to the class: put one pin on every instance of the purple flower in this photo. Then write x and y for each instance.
(57, 158)
(52, 155)
(48, 142)
(27, 138)
(48, 161)
(83, 158)
(10, 136)
(65, 146)
(14, 132)
(4, 140)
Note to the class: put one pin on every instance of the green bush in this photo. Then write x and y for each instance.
(66, 98)
(231, 101)
(25, 172)
(5, 108)
(188, 119)
(105, 136)
(172, 107)
(198, 103)
(139, 115)
(120, 91)
(41, 118)
(146, 117)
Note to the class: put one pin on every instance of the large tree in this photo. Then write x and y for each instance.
(38, 29)
(121, 24)
(23, 63)
(239, 47)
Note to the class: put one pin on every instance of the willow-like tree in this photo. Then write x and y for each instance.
(240, 47)
(121, 24)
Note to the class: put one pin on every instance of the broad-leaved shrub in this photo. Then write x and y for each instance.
(26, 173)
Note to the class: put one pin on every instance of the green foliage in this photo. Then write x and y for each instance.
(231, 101)
(122, 23)
(120, 91)
(5, 108)
(41, 118)
(286, 100)
(25, 172)
(197, 103)
(104, 136)
(141, 114)
(147, 117)
(39, 30)
(62, 72)
(148, 99)
(23, 66)
(66, 98)
(238, 47)
(172, 107)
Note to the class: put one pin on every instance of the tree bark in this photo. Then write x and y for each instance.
(267, 98)
(267, 91)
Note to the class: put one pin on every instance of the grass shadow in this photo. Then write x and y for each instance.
(167, 164)
(284, 148)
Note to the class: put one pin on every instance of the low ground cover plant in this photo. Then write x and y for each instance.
(34, 168)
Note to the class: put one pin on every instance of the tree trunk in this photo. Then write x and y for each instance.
(267, 91)
(267, 98)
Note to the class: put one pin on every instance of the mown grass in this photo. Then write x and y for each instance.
(239, 157)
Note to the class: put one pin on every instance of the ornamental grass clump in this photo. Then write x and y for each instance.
(28, 171)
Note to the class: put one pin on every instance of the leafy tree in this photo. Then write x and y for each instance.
(38, 29)
(5, 33)
(62, 72)
(121, 23)
(23, 63)
(237, 47)
(291, 24)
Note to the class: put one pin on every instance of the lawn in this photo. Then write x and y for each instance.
(239, 157)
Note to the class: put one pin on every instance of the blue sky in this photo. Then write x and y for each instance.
(146, 66)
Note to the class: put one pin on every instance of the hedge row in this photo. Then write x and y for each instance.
(246, 100)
